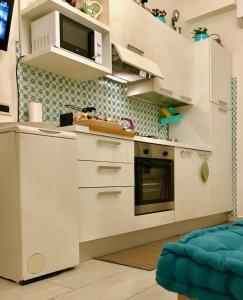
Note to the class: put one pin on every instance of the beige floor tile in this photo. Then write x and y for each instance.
(155, 293)
(87, 273)
(41, 290)
(118, 287)
(6, 285)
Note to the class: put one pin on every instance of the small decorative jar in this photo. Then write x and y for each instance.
(200, 36)
(161, 18)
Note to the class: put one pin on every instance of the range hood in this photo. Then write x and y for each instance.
(131, 67)
(152, 91)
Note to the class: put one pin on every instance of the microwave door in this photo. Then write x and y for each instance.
(75, 37)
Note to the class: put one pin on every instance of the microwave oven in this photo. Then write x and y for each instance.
(55, 29)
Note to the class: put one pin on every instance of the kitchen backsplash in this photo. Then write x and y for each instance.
(234, 145)
(109, 98)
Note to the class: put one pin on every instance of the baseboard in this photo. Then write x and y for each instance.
(235, 218)
(96, 248)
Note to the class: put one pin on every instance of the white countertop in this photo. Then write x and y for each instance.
(171, 143)
(14, 126)
(85, 129)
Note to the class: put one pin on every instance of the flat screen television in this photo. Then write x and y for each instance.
(6, 11)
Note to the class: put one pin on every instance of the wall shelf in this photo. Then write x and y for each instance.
(67, 64)
(43, 7)
(57, 60)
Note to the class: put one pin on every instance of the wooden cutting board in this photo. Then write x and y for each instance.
(128, 133)
(98, 123)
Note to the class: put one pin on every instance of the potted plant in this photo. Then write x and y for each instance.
(200, 33)
(159, 14)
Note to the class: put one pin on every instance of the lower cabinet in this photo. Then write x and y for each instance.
(105, 212)
(192, 194)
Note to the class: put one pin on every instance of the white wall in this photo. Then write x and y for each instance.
(8, 91)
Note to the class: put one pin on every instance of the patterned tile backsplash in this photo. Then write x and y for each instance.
(109, 98)
(234, 145)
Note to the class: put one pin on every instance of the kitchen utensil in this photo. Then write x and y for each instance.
(130, 125)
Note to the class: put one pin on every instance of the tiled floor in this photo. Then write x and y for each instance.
(92, 280)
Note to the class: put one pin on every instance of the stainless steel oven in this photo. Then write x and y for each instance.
(154, 178)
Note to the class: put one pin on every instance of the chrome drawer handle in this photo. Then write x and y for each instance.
(165, 91)
(49, 131)
(186, 152)
(114, 143)
(135, 49)
(109, 167)
(185, 98)
(224, 110)
(223, 103)
(109, 193)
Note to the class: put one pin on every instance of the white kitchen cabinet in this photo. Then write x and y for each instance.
(174, 55)
(105, 185)
(106, 212)
(130, 25)
(103, 148)
(209, 121)
(100, 174)
(221, 161)
(135, 26)
(185, 202)
(203, 190)
(192, 194)
(220, 75)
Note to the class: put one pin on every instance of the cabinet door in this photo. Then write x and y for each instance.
(185, 202)
(203, 189)
(174, 55)
(221, 160)
(117, 17)
(105, 212)
(221, 74)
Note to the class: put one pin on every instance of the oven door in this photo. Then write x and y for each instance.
(154, 185)
(76, 37)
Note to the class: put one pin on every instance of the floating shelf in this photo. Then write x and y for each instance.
(62, 62)
(43, 7)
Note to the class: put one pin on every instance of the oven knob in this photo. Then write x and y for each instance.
(165, 153)
(146, 151)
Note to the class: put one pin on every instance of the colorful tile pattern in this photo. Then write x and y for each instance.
(109, 97)
(234, 145)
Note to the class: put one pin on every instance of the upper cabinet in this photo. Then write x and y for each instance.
(221, 74)
(240, 9)
(135, 28)
(213, 69)
(58, 54)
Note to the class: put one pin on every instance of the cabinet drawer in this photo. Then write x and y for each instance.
(104, 174)
(105, 212)
(101, 148)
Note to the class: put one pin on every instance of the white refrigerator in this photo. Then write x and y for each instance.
(39, 221)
